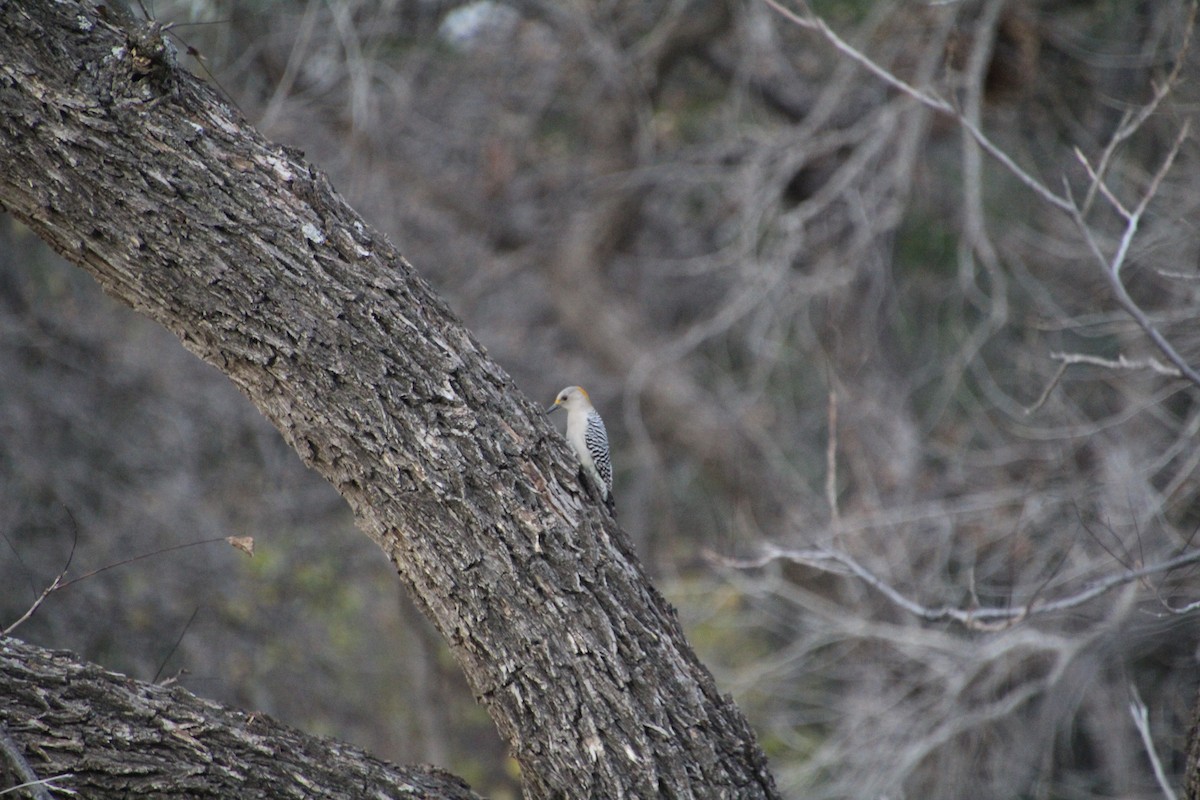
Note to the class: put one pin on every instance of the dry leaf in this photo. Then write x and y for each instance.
(243, 543)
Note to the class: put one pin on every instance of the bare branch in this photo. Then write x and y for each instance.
(1112, 266)
(1134, 121)
(1121, 362)
(1064, 201)
(1152, 190)
(56, 584)
(811, 21)
(1098, 184)
(987, 618)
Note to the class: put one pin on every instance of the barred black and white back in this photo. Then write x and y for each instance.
(596, 439)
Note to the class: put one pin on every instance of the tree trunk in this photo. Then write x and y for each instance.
(132, 169)
(118, 738)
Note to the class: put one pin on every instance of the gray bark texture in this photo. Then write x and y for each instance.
(137, 172)
(114, 737)
(1191, 771)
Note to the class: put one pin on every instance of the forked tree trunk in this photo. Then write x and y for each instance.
(134, 170)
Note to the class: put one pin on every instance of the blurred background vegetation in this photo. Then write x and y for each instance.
(811, 314)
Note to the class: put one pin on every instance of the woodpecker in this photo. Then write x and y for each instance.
(587, 437)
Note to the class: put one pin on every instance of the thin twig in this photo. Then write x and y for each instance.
(55, 584)
(831, 460)
(47, 782)
(1152, 364)
(1098, 184)
(1054, 379)
(175, 646)
(1190, 277)
(58, 583)
(151, 554)
(1141, 721)
(1100, 542)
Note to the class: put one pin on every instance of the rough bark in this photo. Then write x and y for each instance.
(1191, 769)
(116, 737)
(134, 170)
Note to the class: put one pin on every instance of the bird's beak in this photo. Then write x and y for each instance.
(553, 408)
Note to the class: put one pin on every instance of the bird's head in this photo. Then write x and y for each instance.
(569, 398)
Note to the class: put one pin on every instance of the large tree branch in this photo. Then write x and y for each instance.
(134, 170)
(113, 737)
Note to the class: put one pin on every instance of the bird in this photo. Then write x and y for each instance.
(588, 438)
